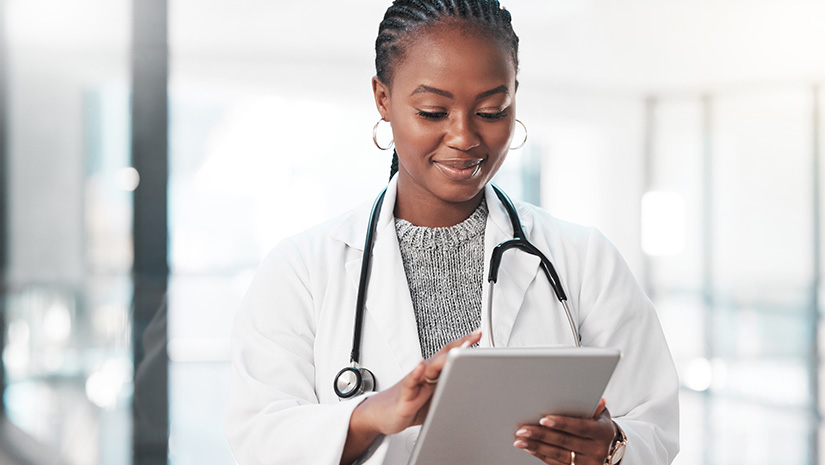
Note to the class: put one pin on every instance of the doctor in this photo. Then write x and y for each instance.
(446, 82)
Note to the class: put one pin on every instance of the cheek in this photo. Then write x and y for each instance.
(498, 137)
(412, 135)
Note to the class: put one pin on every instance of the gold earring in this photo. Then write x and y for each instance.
(375, 137)
(525, 136)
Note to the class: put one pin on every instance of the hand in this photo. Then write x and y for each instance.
(555, 437)
(404, 404)
(407, 402)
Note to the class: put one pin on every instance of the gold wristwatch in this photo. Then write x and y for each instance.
(617, 448)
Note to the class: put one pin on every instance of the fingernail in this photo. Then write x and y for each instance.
(477, 332)
(525, 433)
(548, 422)
(520, 444)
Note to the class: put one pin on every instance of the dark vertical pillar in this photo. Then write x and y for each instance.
(4, 195)
(150, 231)
(816, 124)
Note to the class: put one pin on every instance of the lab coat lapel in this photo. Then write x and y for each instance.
(388, 303)
(517, 271)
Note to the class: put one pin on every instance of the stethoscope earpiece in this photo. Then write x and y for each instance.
(352, 381)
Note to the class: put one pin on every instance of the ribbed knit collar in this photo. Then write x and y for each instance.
(451, 237)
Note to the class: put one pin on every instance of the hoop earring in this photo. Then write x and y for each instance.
(525, 136)
(375, 137)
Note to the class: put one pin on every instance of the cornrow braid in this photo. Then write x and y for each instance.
(394, 164)
(404, 17)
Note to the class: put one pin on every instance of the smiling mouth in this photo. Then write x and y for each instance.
(460, 169)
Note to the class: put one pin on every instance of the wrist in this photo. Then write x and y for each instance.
(360, 434)
(363, 419)
(617, 447)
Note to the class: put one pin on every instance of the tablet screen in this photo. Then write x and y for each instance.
(484, 394)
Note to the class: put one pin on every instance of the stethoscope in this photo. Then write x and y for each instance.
(354, 380)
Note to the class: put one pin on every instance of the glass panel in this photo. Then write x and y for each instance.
(747, 433)
(263, 144)
(762, 194)
(592, 166)
(68, 355)
(683, 320)
(676, 168)
(745, 357)
(763, 270)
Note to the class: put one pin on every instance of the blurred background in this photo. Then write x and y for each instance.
(151, 153)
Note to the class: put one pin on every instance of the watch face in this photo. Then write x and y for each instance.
(617, 455)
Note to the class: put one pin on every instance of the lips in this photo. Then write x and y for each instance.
(459, 169)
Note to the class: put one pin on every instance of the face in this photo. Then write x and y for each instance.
(451, 105)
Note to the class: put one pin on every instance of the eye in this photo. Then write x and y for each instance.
(432, 114)
(493, 116)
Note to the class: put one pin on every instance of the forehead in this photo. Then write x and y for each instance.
(454, 54)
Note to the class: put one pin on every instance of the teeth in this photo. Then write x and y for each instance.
(462, 164)
(460, 169)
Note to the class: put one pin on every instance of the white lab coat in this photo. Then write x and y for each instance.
(293, 333)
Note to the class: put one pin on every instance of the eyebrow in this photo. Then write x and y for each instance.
(424, 89)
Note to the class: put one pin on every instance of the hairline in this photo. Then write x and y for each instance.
(466, 26)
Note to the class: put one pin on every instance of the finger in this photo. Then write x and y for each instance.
(413, 382)
(433, 367)
(590, 437)
(547, 454)
(587, 428)
(549, 442)
(422, 413)
(600, 408)
(414, 379)
(465, 341)
(435, 364)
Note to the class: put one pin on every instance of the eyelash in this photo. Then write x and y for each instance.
(432, 115)
(441, 114)
(493, 116)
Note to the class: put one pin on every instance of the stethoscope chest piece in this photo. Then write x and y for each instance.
(353, 381)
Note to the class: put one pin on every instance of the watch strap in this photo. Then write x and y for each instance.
(616, 452)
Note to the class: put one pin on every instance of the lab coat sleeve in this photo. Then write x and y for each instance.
(642, 395)
(273, 414)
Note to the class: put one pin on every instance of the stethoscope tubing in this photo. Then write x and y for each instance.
(520, 241)
(366, 261)
(353, 381)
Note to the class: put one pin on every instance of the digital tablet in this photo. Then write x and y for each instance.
(484, 395)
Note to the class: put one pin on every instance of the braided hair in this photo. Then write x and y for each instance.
(405, 18)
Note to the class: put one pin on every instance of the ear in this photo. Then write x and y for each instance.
(382, 98)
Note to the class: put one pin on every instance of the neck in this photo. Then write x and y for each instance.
(433, 212)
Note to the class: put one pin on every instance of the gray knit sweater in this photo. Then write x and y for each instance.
(444, 268)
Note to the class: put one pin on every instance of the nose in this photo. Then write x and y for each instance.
(462, 133)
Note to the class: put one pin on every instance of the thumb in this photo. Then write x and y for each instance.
(600, 408)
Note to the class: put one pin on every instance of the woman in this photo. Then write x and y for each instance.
(446, 82)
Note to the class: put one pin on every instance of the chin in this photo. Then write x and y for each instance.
(463, 193)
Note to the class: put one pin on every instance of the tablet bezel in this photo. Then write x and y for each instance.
(484, 394)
